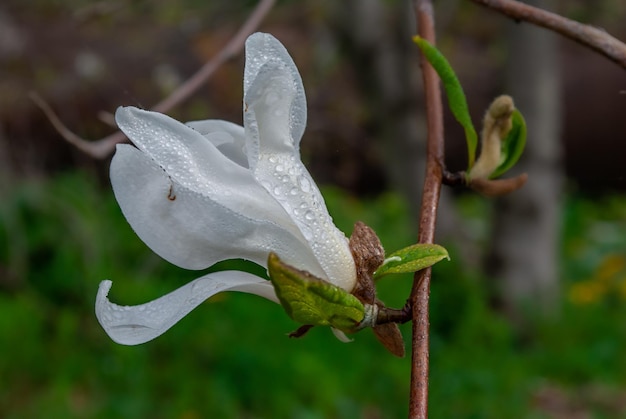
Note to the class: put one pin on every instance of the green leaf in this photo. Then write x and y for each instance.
(311, 300)
(454, 92)
(513, 145)
(412, 259)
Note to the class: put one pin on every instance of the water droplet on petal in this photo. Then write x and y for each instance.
(306, 232)
(305, 185)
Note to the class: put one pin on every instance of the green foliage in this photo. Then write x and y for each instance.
(231, 358)
(411, 259)
(513, 145)
(311, 300)
(454, 92)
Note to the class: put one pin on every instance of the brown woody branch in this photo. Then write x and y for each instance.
(104, 147)
(420, 294)
(592, 37)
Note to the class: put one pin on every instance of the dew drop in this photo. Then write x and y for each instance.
(280, 168)
(305, 185)
(306, 232)
(309, 215)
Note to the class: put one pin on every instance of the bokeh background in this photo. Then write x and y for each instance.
(528, 319)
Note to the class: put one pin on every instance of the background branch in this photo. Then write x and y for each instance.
(594, 38)
(104, 147)
(419, 299)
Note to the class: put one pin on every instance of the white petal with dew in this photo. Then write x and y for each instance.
(229, 138)
(266, 117)
(133, 325)
(278, 168)
(193, 231)
(209, 126)
(192, 161)
(262, 48)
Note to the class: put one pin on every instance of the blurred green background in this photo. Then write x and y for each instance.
(61, 233)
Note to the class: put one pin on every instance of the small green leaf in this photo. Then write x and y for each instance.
(412, 259)
(454, 92)
(311, 300)
(513, 145)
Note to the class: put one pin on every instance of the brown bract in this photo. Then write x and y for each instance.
(498, 187)
(368, 254)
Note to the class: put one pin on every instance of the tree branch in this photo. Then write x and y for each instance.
(103, 147)
(420, 294)
(231, 49)
(594, 38)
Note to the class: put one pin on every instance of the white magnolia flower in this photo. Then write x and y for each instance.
(212, 190)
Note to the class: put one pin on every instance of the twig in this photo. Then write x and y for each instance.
(232, 48)
(420, 294)
(594, 38)
(103, 147)
(98, 149)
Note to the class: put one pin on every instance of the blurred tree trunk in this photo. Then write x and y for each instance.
(377, 35)
(523, 259)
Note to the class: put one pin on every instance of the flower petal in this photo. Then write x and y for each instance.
(194, 231)
(262, 48)
(209, 126)
(133, 325)
(341, 336)
(229, 138)
(275, 162)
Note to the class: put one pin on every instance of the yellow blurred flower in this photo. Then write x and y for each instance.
(609, 278)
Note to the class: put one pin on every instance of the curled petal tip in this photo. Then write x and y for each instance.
(134, 325)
